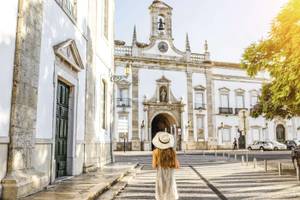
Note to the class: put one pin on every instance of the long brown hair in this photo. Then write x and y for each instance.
(167, 158)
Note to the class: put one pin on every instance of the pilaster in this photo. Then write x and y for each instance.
(136, 142)
(190, 106)
(22, 179)
(91, 161)
(212, 139)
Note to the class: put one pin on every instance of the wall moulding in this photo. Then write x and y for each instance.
(4, 140)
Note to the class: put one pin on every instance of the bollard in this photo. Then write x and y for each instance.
(254, 163)
(298, 172)
(223, 154)
(235, 157)
(243, 160)
(279, 168)
(266, 165)
(247, 159)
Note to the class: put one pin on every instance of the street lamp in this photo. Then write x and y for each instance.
(127, 71)
(142, 134)
(124, 141)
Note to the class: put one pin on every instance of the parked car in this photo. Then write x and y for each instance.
(278, 146)
(297, 142)
(261, 145)
(291, 144)
(267, 145)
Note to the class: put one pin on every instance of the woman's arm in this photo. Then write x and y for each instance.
(177, 164)
(154, 159)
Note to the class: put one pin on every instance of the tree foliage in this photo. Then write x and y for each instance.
(279, 54)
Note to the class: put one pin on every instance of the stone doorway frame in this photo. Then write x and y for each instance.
(154, 106)
(71, 142)
(67, 66)
(173, 128)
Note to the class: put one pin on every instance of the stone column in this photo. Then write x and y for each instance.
(136, 143)
(147, 142)
(212, 138)
(22, 179)
(190, 106)
(183, 140)
(91, 161)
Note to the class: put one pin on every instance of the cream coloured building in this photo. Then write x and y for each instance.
(56, 94)
(198, 100)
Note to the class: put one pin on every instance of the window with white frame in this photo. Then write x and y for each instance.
(200, 126)
(240, 100)
(224, 100)
(256, 136)
(199, 99)
(254, 98)
(226, 135)
(69, 6)
(123, 126)
(123, 93)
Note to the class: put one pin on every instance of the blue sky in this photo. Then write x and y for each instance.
(228, 25)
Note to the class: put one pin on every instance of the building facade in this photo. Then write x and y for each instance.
(56, 92)
(203, 103)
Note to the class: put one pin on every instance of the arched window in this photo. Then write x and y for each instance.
(161, 23)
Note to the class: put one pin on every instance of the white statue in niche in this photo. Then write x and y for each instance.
(163, 94)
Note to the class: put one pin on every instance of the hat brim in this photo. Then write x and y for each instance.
(160, 145)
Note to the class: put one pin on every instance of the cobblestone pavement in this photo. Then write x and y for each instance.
(205, 177)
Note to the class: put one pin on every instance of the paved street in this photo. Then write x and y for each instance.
(205, 177)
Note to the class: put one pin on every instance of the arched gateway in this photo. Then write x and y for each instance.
(165, 122)
(163, 112)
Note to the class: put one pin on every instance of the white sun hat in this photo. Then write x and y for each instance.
(163, 140)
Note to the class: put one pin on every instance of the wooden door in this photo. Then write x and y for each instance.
(61, 136)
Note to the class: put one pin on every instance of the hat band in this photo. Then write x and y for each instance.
(164, 142)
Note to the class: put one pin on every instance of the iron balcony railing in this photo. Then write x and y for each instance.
(223, 110)
(237, 110)
(200, 106)
(123, 102)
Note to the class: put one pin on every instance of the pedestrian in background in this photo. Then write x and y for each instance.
(234, 144)
(164, 160)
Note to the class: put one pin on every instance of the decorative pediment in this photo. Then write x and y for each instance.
(239, 91)
(224, 126)
(123, 83)
(199, 88)
(254, 92)
(163, 79)
(69, 53)
(163, 93)
(224, 90)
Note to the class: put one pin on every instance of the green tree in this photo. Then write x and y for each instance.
(279, 54)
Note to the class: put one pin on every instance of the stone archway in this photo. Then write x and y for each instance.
(280, 133)
(164, 122)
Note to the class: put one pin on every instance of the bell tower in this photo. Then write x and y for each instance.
(161, 20)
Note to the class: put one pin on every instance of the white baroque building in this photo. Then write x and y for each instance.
(56, 94)
(187, 94)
